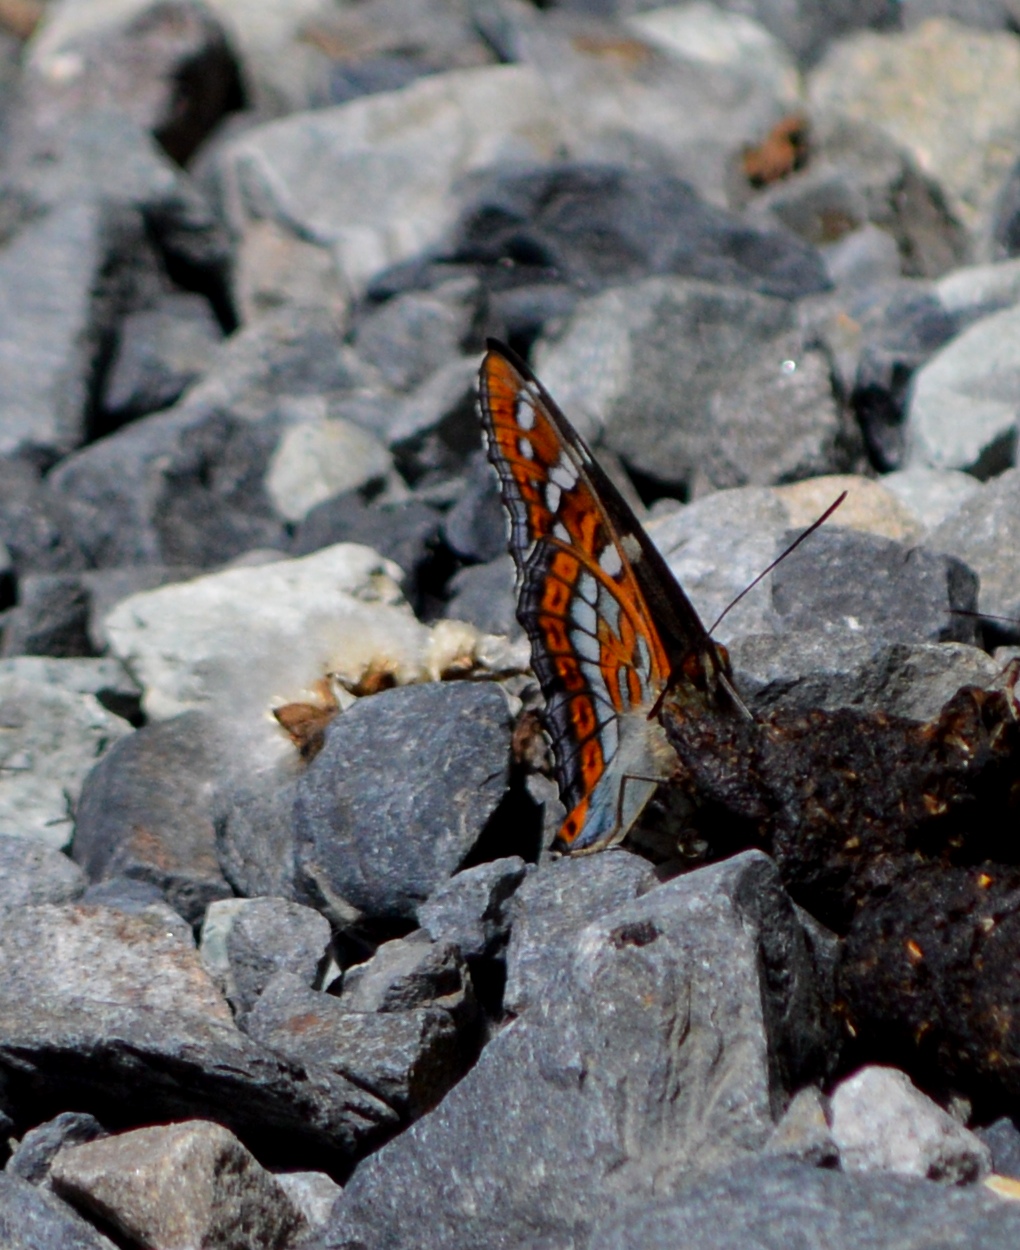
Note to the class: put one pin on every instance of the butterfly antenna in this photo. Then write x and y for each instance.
(792, 547)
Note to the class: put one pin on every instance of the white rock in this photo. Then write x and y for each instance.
(50, 737)
(317, 459)
(964, 403)
(883, 1123)
(931, 494)
(971, 286)
(313, 1193)
(241, 641)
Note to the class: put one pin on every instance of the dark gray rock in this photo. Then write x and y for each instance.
(51, 617)
(554, 905)
(160, 351)
(484, 595)
(30, 873)
(36, 1150)
(146, 811)
(666, 1047)
(474, 527)
(772, 1204)
(32, 1219)
(408, 1059)
(846, 581)
(406, 973)
(145, 1036)
(1003, 1140)
(270, 935)
(399, 795)
(255, 836)
(985, 532)
(436, 425)
(472, 909)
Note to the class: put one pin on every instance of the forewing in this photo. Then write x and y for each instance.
(595, 648)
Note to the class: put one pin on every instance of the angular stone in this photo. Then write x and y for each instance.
(484, 595)
(665, 1048)
(803, 1133)
(881, 1122)
(30, 874)
(146, 811)
(318, 458)
(313, 1193)
(932, 495)
(184, 1184)
(409, 1059)
(1002, 1138)
(406, 973)
(553, 906)
(39, 1146)
(399, 795)
(259, 937)
(51, 617)
(472, 909)
(37, 526)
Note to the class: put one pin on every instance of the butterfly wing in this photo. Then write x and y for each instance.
(608, 623)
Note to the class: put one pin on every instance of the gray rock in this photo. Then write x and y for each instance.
(408, 1059)
(943, 93)
(984, 532)
(845, 581)
(629, 364)
(434, 423)
(933, 495)
(472, 909)
(31, 874)
(474, 527)
(37, 526)
(105, 678)
(978, 14)
(1003, 1141)
(52, 737)
(255, 836)
(263, 936)
(773, 1203)
(484, 595)
(866, 257)
(881, 1122)
(31, 1218)
(553, 906)
(972, 291)
(803, 1133)
(147, 1033)
(160, 352)
(646, 1060)
(147, 812)
(406, 973)
(963, 411)
(180, 1185)
(51, 617)
(54, 312)
(38, 1148)
(319, 456)
(399, 795)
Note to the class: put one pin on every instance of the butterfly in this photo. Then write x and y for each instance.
(610, 628)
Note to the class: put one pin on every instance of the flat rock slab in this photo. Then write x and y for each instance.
(399, 795)
(657, 1053)
(147, 1036)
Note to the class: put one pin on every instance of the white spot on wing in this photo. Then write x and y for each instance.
(609, 561)
(525, 448)
(560, 531)
(583, 615)
(588, 589)
(563, 474)
(525, 413)
(552, 496)
(631, 548)
(585, 645)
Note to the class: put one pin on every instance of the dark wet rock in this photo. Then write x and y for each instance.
(32, 1218)
(484, 595)
(848, 802)
(146, 1036)
(1003, 1140)
(179, 1184)
(30, 873)
(848, 581)
(147, 812)
(408, 1059)
(160, 352)
(51, 617)
(769, 1203)
(472, 909)
(553, 906)
(399, 795)
(38, 1148)
(245, 942)
(637, 1065)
